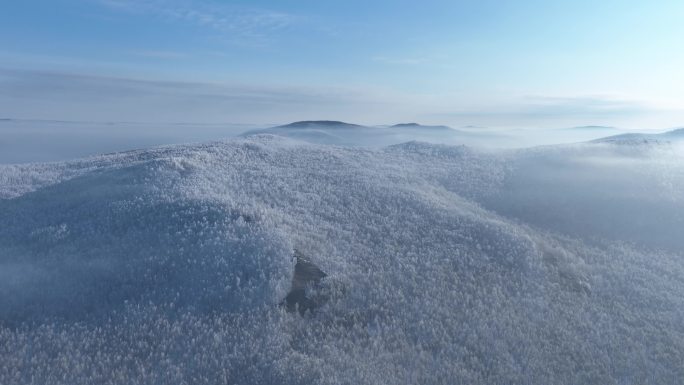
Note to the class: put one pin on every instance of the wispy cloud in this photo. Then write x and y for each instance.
(33, 94)
(531, 107)
(51, 95)
(582, 106)
(553, 111)
(242, 24)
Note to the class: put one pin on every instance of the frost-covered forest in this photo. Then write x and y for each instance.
(444, 264)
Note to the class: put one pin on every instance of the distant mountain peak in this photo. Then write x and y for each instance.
(407, 125)
(417, 125)
(320, 123)
(592, 127)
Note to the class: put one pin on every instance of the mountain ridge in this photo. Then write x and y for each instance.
(676, 134)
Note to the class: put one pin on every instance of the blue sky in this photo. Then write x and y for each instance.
(491, 63)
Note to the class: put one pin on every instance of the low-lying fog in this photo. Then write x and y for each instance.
(24, 141)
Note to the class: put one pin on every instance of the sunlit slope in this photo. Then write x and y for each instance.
(169, 266)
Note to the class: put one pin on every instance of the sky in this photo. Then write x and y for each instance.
(485, 63)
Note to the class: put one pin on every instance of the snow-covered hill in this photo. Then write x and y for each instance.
(444, 264)
(347, 134)
(676, 135)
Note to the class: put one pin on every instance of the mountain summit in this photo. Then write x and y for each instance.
(417, 125)
(320, 124)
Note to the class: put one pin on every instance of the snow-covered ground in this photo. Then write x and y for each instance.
(445, 264)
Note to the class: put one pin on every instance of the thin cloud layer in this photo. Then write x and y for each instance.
(241, 22)
(588, 106)
(28, 94)
(558, 112)
(49, 95)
